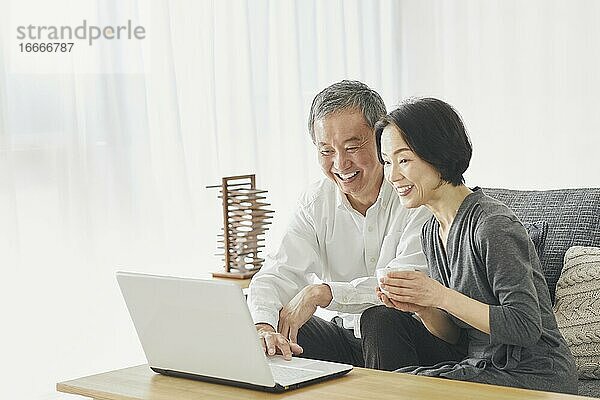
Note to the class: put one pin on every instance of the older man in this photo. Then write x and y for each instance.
(345, 227)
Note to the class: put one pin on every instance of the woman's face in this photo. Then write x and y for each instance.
(415, 180)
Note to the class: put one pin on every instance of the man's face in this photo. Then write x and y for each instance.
(348, 155)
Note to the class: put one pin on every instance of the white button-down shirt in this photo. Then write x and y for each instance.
(329, 241)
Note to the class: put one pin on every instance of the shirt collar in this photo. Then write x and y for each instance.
(341, 201)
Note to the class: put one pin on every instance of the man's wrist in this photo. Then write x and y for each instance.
(263, 326)
(322, 295)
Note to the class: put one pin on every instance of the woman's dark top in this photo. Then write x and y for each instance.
(490, 258)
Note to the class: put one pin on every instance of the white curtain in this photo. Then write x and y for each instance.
(524, 76)
(105, 153)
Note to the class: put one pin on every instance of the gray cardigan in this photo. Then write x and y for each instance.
(490, 258)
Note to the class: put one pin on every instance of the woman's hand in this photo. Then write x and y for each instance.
(406, 307)
(411, 291)
(415, 292)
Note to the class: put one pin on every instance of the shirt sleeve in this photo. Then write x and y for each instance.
(506, 252)
(410, 250)
(353, 297)
(359, 294)
(285, 272)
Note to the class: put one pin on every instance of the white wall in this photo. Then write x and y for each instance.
(524, 76)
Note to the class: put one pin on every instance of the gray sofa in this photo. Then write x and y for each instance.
(564, 218)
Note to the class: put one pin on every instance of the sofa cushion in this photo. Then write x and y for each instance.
(587, 387)
(572, 217)
(577, 308)
(537, 234)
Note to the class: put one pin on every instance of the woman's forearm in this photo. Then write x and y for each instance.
(440, 325)
(471, 311)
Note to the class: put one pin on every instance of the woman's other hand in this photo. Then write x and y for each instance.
(413, 288)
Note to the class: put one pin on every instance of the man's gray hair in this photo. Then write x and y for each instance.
(346, 95)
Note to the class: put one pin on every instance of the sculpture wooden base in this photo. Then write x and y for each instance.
(234, 274)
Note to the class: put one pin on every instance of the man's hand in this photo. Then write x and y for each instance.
(301, 308)
(275, 343)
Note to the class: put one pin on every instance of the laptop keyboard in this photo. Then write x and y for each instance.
(290, 374)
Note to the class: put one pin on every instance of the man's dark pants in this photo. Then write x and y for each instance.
(390, 339)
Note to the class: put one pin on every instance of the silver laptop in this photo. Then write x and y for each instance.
(202, 329)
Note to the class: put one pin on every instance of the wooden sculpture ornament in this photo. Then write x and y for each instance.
(245, 220)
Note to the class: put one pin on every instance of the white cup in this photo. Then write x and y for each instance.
(380, 273)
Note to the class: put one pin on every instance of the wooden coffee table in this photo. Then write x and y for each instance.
(140, 383)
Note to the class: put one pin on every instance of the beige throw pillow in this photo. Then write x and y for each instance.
(577, 308)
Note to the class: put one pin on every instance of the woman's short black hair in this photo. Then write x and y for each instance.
(435, 132)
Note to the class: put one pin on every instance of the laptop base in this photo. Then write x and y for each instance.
(275, 389)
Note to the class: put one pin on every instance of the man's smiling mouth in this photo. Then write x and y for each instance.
(348, 176)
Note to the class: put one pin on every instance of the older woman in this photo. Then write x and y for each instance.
(487, 299)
